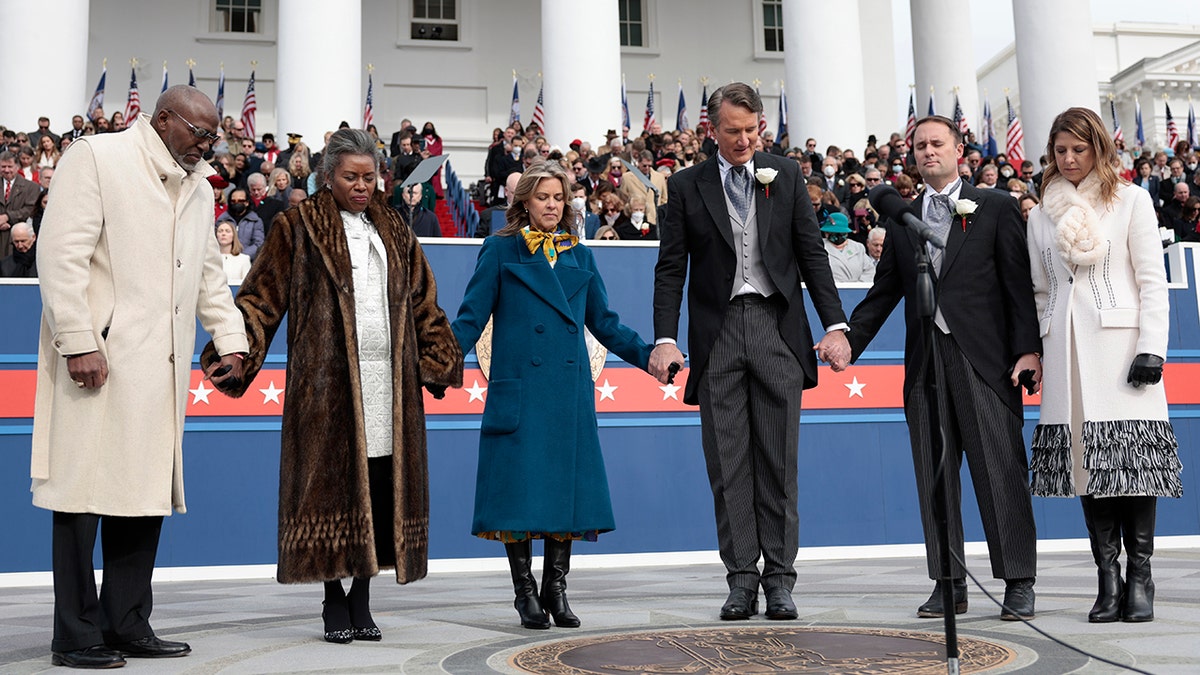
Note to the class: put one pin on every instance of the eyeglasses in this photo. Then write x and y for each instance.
(853, 184)
(873, 180)
(197, 131)
(609, 237)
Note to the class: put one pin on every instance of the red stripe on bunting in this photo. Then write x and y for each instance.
(617, 390)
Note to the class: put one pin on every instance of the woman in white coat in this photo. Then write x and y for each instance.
(1101, 294)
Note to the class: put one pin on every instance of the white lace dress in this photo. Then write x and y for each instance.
(368, 258)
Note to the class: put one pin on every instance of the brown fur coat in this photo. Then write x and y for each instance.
(303, 270)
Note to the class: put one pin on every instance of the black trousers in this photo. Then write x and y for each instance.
(121, 611)
(383, 509)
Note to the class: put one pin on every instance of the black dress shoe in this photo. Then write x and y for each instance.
(932, 609)
(780, 605)
(372, 634)
(741, 604)
(96, 656)
(1018, 600)
(152, 647)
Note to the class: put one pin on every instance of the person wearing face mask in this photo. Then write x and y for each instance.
(433, 148)
(247, 223)
(586, 222)
(632, 187)
(635, 226)
(848, 259)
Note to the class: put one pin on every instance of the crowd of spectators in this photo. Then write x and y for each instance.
(620, 189)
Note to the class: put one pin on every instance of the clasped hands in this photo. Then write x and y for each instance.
(834, 349)
(661, 359)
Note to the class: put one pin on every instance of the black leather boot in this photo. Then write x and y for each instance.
(529, 607)
(554, 583)
(1137, 522)
(1104, 532)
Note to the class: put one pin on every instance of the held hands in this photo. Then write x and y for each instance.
(661, 359)
(834, 349)
(1145, 369)
(88, 371)
(1028, 362)
(225, 374)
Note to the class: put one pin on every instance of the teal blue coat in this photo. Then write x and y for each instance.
(540, 465)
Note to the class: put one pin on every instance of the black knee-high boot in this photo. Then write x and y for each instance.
(529, 607)
(1104, 531)
(336, 614)
(359, 599)
(554, 583)
(1137, 522)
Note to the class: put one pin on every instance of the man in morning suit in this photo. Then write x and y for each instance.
(751, 241)
(987, 333)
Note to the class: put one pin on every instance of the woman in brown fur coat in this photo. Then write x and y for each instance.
(364, 334)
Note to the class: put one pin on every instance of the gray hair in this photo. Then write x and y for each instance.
(737, 93)
(7, 156)
(871, 234)
(256, 179)
(346, 142)
(22, 226)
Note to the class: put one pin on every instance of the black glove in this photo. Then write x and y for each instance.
(1146, 369)
(438, 390)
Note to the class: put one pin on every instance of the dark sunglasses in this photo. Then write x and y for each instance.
(197, 131)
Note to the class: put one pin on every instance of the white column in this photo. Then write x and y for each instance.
(321, 74)
(1056, 65)
(824, 73)
(51, 79)
(942, 58)
(585, 103)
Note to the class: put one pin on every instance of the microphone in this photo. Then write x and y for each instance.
(887, 201)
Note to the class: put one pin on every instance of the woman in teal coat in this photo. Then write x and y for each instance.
(541, 473)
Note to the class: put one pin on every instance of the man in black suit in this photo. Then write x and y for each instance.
(18, 199)
(744, 223)
(266, 208)
(986, 334)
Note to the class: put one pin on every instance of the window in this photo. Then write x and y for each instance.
(773, 25)
(435, 20)
(236, 16)
(632, 23)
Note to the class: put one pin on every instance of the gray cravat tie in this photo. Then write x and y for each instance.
(939, 220)
(737, 187)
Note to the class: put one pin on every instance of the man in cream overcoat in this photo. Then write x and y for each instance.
(128, 261)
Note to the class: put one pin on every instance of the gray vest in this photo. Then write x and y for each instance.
(751, 269)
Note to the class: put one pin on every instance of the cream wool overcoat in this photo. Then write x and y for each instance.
(1096, 319)
(128, 261)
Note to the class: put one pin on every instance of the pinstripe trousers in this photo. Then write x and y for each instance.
(750, 429)
(988, 432)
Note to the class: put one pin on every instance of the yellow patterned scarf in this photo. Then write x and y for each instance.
(550, 243)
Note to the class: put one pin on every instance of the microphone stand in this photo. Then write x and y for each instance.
(935, 377)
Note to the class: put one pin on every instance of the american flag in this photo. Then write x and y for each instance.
(762, 117)
(369, 108)
(98, 97)
(932, 110)
(1137, 114)
(1172, 130)
(649, 119)
(539, 109)
(514, 110)
(249, 107)
(959, 118)
(910, 127)
(1118, 134)
(191, 77)
(704, 110)
(681, 120)
(1013, 146)
(624, 107)
(221, 94)
(133, 105)
(164, 87)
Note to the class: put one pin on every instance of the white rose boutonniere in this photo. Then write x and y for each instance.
(766, 176)
(964, 209)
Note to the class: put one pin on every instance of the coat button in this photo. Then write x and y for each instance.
(539, 328)
(572, 329)
(1070, 280)
(178, 262)
(171, 358)
(537, 361)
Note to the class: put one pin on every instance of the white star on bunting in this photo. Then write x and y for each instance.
(856, 388)
(200, 393)
(670, 391)
(476, 392)
(606, 391)
(271, 393)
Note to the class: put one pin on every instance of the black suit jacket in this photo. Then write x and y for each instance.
(267, 209)
(697, 231)
(985, 292)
